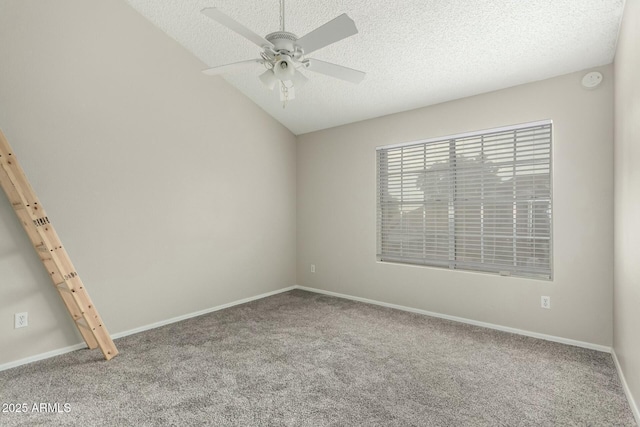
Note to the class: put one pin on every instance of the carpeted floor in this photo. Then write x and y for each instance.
(304, 359)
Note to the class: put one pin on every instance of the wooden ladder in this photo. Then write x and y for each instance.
(50, 251)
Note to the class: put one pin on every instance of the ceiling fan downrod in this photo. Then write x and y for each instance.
(281, 15)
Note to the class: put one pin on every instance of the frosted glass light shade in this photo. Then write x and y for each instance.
(284, 69)
(268, 79)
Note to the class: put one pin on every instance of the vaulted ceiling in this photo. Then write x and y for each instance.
(415, 52)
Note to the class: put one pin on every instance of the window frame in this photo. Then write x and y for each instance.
(453, 217)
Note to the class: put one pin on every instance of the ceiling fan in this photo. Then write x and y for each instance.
(283, 53)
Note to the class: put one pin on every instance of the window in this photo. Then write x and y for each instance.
(478, 201)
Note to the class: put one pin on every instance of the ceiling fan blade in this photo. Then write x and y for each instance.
(331, 32)
(227, 21)
(334, 70)
(299, 79)
(221, 69)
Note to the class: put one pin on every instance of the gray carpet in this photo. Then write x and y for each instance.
(303, 359)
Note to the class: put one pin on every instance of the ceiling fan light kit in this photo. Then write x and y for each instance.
(268, 79)
(283, 53)
(284, 68)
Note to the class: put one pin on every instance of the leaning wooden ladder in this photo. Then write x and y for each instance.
(51, 253)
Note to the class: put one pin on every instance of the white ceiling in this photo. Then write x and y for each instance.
(415, 52)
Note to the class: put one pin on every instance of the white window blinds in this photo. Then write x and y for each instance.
(479, 201)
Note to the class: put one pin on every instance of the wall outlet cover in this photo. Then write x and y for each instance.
(21, 320)
(545, 302)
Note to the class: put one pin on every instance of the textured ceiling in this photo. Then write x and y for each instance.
(415, 52)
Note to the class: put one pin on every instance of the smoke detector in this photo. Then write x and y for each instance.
(592, 80)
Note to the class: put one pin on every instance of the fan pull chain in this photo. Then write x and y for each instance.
(285, 94)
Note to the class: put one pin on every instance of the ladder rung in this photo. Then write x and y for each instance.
(81, 321)
(63, 287)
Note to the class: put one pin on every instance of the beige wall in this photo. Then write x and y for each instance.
(337, 212)
(626, 309)
(172, 192)
(176, 194)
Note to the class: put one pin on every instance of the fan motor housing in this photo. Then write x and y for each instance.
(282, 40)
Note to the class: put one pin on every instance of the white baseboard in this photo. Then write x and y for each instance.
(68, 349)
(42, 356)
(625, 387)
(79, 346)
(74, 347)
(198, 313)
(464, 320)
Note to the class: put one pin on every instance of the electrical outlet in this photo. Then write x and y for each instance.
(313, 268)
(545, 302)
(21, 320)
